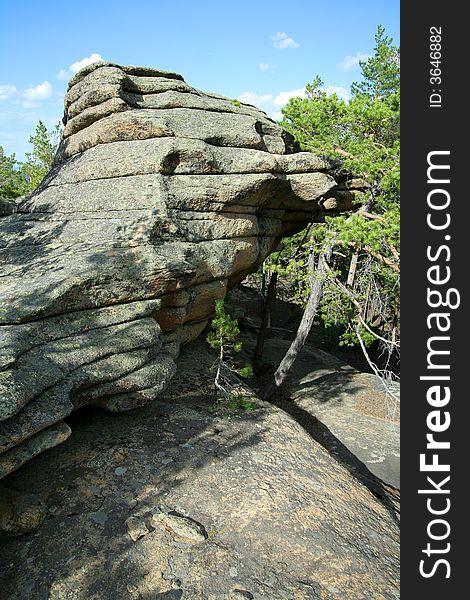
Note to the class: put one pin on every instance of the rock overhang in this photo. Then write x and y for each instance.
(161, 197)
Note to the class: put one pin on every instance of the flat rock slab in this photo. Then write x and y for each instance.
(337, 405)
(278, 516)
(374, 441)
(349, 412)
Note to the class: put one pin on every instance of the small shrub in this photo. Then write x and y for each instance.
(240, 402)
(223, 337)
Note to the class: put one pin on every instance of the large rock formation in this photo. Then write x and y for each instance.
(161, 198)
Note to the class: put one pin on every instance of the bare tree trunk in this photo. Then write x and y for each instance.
(352, 269)
(267, 309)
(262, 284)
(220, 361)
(316, 293)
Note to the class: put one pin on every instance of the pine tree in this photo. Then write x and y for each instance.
(223, 338)
(381, 72)
(361, 137)
(12, 183)
(39, 161)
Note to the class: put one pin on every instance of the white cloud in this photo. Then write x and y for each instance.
(269, 103)
(272, 104)
(284, 97)
(276, 115)
(351, 62)
(282, 40)
(252, 98)
(340, 91)
(89, 60)
(42, 91)
(6, 91)
(65, 74)
(264, 66)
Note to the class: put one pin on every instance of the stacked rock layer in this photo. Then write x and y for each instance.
(161, 198)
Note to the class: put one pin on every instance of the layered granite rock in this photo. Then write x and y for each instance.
(161, 198)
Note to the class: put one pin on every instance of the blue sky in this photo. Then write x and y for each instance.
(261, 52)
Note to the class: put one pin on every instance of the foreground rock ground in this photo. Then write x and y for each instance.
(176, 500)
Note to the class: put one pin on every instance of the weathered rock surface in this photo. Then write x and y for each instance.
(161, 198)
(284, 519)
(20, 513)
(180, 526)
(136, 528)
